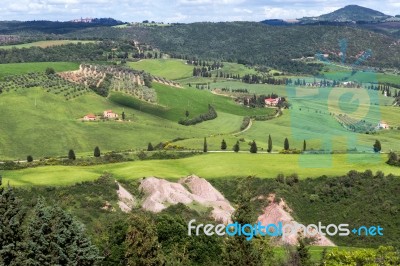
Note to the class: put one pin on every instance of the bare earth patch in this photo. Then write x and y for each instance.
(160, 193)
(126, 200)
(280, 212)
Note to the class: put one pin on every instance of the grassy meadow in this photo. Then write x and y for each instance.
(23, 68)
(172, 69)
(211, 166)
(43, 44)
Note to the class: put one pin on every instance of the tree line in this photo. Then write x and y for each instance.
(210, 115)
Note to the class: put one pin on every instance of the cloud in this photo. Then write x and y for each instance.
(291, 13)
(180, 10)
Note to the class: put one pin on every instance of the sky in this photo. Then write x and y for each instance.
(183, 11)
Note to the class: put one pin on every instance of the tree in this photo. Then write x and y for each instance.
(123, 115)
(269, 144)
(303, 253)
(253, 147)
(187, 113)
(393, 158)
(54, 237)
(238, 250)
(29, 158)
(205, 148)
(143, 247)
(150, 147)
(304, 145)
(11, 233)
(71, 155)
(50, 71)
(96, 152)
(223, 145)
(286, 144)
(236, 147)
(377, 146)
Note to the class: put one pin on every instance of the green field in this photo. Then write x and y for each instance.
(213, 165)
(167, 68)
(45, 124)
(173, 102)
(34, 127)
(43, 44)
(23, 68)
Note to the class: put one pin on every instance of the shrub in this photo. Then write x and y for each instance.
(210, 115)
(29, 158)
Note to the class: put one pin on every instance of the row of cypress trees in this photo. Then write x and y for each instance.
(253, 145)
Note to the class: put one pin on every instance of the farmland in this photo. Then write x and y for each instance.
(24, 68)
(43, 44)
(210, 166)
(229, 102)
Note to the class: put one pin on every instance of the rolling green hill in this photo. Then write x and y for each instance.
(43, 44)
(215, 165)
(169, 69)
(23, 68)
(353, 13)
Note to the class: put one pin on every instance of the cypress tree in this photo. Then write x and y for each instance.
(71, 155)
(253, 147)
(303, 253)
(236, 147)
(96, 152)
(286, 144)
(269, 144)
(150, 147)
(377, 146)
(304, 145)
(205, 148)
(123, 115)
(223, 145)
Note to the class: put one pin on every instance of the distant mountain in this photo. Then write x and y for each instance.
(275, 22)
(350, 13)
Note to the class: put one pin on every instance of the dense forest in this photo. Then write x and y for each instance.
(142, 238)
(248, 43)
(259, 44)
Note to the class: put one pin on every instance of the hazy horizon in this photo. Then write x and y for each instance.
(184, 11)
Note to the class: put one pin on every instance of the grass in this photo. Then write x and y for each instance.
(213, 165)
(43, 44)
(53, 126)
(315, 251)
(173, 102)
(172, 69)
(338, 71)
(23, 68)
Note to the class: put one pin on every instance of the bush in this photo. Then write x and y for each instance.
(245, 123)
(96, 152)
(29, 158)
(210, 115)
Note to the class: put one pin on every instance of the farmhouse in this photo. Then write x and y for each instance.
(109, 114)
(382, 125)
(89, 117)
(272, 102)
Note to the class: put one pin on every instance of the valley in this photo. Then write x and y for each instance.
(131, 130)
